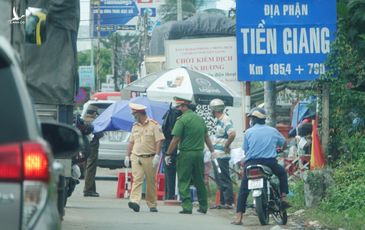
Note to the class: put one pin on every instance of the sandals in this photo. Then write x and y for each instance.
(235, 222)
(219, 206)
(285, 205)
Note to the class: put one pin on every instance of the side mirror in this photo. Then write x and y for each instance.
(65, 140)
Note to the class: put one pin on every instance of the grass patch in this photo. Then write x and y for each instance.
(337, 220)
(344, 203)
(296, 196)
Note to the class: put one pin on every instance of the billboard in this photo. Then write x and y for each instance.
(114, 15)
(214, 56)
(86, 76)
(284, 40)
(122, 15)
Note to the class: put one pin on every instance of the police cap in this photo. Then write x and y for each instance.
(181, 101)
(137, 107)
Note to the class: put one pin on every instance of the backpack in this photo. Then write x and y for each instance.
(169, 119)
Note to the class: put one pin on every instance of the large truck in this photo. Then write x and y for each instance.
(44, 33)
(51, 71)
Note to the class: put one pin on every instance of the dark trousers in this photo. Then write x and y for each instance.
(224, 181)
(277, 169)
(91, 164)
(170, 172)
(190, 171)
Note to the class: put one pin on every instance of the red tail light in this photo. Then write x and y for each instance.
(35, 162)
(10, 162)
(255, 173)
(31, 165)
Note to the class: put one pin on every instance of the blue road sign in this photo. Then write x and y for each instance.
(151, 12)
(284, 40)
(114, 14)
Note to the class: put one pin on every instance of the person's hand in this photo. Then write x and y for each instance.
(227, 149)
(126, 161)
(213, 155)
(156, 160)
(167, 159)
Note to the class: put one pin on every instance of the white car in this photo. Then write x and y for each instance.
(114, 144)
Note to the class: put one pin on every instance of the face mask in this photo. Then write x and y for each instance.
(251, 123)
(178, 113)
(135, 115)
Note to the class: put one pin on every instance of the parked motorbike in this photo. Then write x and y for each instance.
(266, 193)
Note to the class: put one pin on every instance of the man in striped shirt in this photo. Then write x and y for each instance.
(224, 136)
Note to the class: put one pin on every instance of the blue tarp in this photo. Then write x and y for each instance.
(301, 111)
(118, 115)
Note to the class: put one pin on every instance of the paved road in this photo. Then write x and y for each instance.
(108, 212)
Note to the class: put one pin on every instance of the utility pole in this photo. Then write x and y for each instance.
(143, 40)
(247, 104)
(92, 38)
(145, 33)
(325, 116)
(115, 60)
(98, 66)
(270, 102)
(179, 10)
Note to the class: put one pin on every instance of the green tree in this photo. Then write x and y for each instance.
(356, 24)
(105, 61)
(126, 51)
(346, 72)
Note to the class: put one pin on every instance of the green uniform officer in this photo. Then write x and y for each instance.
(190, 133)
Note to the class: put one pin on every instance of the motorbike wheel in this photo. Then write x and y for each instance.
(262, 208)
(280, 217)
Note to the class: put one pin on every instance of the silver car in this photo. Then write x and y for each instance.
(28, 174)
(114, 144)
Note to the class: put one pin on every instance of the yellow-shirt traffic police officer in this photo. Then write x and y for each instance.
(144, 149)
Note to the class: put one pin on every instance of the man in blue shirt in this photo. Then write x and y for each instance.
(260, 143)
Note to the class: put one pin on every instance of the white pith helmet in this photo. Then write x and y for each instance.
(217, 105)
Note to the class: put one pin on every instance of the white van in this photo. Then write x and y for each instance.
(114, 144)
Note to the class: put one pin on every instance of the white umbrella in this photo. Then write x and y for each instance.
(182, 82)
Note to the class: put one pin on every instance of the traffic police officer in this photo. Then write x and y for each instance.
(92, 154)
(144, 151)
(190, 132)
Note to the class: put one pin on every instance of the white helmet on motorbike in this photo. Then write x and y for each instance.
(217, 105)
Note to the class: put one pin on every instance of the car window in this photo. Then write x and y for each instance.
(12, 121)
(102, 106)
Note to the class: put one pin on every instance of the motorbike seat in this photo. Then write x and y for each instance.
(267, 170)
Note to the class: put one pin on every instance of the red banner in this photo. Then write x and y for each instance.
(317, 156)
